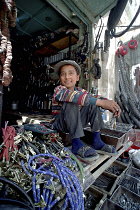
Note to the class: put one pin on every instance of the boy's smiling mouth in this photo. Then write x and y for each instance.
(67, 82)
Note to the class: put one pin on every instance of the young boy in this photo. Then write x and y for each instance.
(73, 108)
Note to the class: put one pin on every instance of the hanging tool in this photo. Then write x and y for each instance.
(98, 37)
(122, 50)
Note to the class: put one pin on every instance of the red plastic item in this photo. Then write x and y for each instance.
(117, 53)
(132, 147)
(122, 50)
(132, 44)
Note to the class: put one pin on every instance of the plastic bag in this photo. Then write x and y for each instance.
(135, 157)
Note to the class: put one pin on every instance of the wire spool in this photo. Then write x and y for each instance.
(132, 44)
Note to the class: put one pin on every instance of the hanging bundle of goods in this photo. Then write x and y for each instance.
(8, 14)
(127, 96)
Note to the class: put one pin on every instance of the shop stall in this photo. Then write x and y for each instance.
(37, 167)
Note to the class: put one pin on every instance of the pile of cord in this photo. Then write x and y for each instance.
(42, 166)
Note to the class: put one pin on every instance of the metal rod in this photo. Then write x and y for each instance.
(70, 42)
(56, 8)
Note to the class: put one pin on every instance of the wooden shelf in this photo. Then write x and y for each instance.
(102, 163)
(57, 44)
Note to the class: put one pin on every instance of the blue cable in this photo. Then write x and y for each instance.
(47, 197)
(77, 185)
(38, 170)
(25, 169)
(64, 182)
(65, 203)
(70, 194)
(34, 188)
(38, 192)
(50, 200)
(68, 179)
(74, 192)
(54, 202)
(44, 193)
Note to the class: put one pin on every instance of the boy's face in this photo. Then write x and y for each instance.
(68, 76)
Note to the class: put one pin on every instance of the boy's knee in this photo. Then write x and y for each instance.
(70, 107)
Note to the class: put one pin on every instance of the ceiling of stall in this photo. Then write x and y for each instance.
(35, 16)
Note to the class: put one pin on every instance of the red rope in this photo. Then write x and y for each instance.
(8, 139)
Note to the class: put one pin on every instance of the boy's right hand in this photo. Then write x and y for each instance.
(110, 105)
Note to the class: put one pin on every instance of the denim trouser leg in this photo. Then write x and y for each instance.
(72, 120)
(69, 120)
(92, 114)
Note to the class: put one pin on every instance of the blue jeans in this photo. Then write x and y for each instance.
(72, 120)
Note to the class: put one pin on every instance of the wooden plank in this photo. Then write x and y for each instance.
(101, 159)
(64, 43)
(53, 46)
(99, 171)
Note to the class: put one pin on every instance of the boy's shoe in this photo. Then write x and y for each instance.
(81, 154)
(107, 150)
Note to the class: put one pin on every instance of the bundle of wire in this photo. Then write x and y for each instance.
(73, 197)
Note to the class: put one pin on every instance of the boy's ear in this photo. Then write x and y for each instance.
(78, 76)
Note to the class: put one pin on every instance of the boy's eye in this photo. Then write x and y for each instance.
(62, 74)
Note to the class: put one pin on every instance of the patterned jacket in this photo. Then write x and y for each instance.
(78, 96)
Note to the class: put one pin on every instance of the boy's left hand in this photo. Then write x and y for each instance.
(117, 113)
(110, 105)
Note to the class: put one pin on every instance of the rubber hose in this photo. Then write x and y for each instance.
(115, 14)
(135, 120)
(124, 102)
(122, 116)
(134, 109)
(127, 117)
(98, 67)
(117, 98)
(17, 189)
(6, 204)
(106, 40)
(34, 147)
(123, 32)
(119, 119)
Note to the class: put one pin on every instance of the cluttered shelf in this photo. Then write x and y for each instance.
(58, 43)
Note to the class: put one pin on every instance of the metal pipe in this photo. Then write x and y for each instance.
(77, 12)
(56, 8)
(70, 39)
